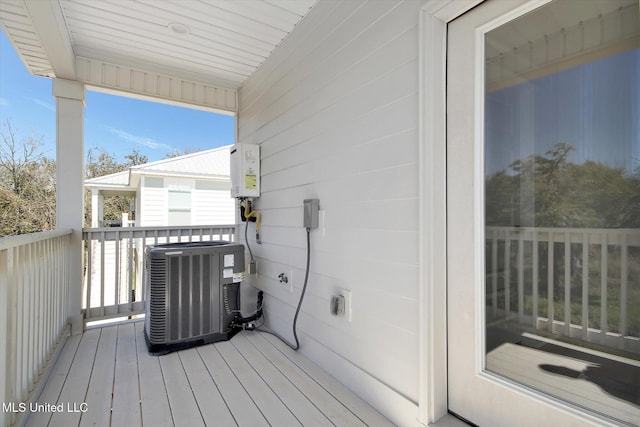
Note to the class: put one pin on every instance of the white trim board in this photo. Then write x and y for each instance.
(432, 215)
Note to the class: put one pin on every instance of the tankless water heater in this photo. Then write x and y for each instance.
(245, 170)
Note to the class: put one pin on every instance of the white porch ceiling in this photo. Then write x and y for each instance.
(217, 44)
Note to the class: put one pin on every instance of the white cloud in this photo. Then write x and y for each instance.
(141, 140)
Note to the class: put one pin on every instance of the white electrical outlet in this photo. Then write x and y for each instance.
(347, 303)
(286, 280)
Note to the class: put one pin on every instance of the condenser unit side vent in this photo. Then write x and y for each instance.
(157, 299)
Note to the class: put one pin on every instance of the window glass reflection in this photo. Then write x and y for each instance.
(562, 203)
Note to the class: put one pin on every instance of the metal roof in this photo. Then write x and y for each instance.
(205, 165)
(213, 163)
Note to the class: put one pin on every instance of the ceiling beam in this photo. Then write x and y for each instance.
(145, 84)
(50, 26)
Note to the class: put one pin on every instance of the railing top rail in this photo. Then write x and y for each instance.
(627, 231)
(158, 228)
(25, 239)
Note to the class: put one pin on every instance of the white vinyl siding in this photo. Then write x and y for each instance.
(336, 117)
(213, 203)
(184, 201)
(153, 205)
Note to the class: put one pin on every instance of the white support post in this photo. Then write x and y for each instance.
(97, 208)
(70, 97)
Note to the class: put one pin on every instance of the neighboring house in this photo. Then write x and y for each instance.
(193, 189)
(188, 190)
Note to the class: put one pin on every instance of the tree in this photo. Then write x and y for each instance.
(27, 185)
(550, 191)
(177, 153)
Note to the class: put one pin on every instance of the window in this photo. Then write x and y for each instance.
(562, 211)
(179, 207)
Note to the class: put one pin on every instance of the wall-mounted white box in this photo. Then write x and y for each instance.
(245, 170)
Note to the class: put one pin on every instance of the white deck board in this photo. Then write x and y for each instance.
(101, 384)
(353, 403)
(244, 410)
(56, 380)
(303, 409)
(275, 412)
(154, 402)
(332, 408)
(126, 390)
(181, 399)
(250, 380)
(77, 382)
(212, 406)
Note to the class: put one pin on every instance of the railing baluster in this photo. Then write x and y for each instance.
(102, 256)
(130, 270)
(31, 303)
(6, 328)
(23, 328)
(550, 296)
(585, 286)
(88, 271)
(118, 274)
(567, 284)
(44, 301)
(624, 286)
(521, 277)
(535, 279)
(604, 255)
(507, 275)
(39, 311)
(494, 274)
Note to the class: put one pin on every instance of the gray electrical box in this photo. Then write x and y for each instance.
(311, 208)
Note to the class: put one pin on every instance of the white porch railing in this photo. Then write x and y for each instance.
(114, 283)
(585, 285)
(34, 292)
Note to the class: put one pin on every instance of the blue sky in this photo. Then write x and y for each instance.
(595, 107)
(116, 124)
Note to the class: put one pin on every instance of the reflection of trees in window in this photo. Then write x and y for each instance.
(549, 191)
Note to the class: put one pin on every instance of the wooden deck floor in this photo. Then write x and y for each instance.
(105, 377)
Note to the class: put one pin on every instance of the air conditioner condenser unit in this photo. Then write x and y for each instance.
(192, 294)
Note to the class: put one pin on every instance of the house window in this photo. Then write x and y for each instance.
(153, 182)
(179, 207)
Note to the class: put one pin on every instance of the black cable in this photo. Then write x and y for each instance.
(304, 289)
